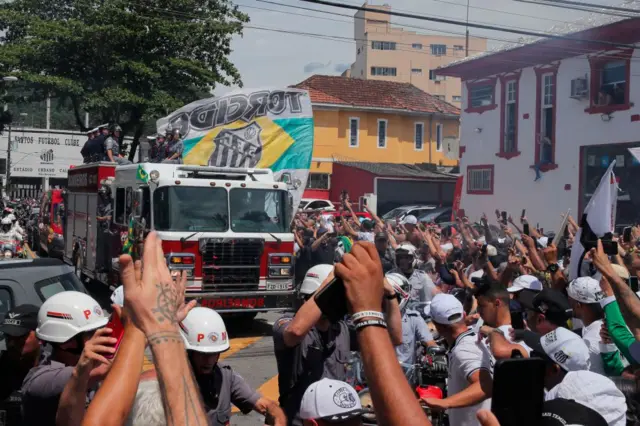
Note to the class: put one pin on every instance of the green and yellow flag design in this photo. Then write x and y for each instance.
(142, 174)
(127, 248)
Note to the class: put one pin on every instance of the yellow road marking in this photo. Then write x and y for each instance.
(268, 389)
(239, 344)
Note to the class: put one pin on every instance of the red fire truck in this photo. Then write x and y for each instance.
(228, 227)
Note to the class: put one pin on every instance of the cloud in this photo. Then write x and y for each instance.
(340, 68)
(313, 67)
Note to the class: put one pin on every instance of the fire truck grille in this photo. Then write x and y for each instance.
(230, 264)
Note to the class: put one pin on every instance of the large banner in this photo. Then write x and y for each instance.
(250, 129)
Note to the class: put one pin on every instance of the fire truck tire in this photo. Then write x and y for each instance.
(78, 265)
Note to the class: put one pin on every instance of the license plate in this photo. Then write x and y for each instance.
(277, 286)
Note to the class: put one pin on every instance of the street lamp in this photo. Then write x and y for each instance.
(8, 79)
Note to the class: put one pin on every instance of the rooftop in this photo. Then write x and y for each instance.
(423, 170)
(586, 36)
(356, 92)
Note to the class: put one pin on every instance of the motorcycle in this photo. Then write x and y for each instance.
(11, 249)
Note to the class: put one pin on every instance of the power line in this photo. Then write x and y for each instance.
(581, 9)
(576, 50)
(591, 5)
(501, 11)
(470, 24)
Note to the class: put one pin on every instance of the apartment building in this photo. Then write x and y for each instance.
(386, 52)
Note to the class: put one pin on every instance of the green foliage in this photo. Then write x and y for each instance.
(126, 61)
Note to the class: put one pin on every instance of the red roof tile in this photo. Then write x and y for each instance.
(357, 92)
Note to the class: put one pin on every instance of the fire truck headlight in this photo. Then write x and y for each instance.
(278, 272)
(154, 175)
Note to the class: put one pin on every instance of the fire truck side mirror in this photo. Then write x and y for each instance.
(138, 202)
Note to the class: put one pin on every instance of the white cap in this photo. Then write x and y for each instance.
(117, 297)
(543, 241)
(525, 282)
(585, 290)
(595, 391)
(491, 250)
(314, 278)
(332, 400)
(566, 349)
(409, 220)
(446, 309)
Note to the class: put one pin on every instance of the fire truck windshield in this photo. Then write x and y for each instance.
(258, 210)
(190, 208)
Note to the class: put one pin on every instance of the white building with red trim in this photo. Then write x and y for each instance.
(564, 107)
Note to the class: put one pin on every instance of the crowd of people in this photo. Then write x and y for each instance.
(491, 291)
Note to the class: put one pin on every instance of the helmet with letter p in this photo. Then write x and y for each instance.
(203, 330)
(68, 314)
(314, 278)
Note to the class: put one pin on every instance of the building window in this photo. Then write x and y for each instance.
(480, 180)
(438, 137)
(439, 49)
(458, 47)
(418, 136)
(455, 98)
(318, 181)
(416, 71)
(382, 133)
(417, 46)
(440, 97)
(480, 96)
(435, 77)
(383, 45)
(354, 132)
(384, 71)
(545, 138)
(610, 76)
(509, 117)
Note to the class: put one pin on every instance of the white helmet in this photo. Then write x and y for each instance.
(401, 285)
(314, 278)
(67, 314)
(117, 297)
(410, 249)
(203, 330)
(11, 217)
(6, 221)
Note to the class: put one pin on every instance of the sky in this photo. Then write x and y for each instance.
(284, 44)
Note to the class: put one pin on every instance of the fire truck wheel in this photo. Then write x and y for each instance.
(78, 265)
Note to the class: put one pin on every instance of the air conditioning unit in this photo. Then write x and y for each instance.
(579, 88)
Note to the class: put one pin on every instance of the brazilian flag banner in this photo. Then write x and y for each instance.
(142, 174)
(127, 248)
(269, 128)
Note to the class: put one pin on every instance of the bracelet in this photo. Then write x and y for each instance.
(373, 322)
(365, 314)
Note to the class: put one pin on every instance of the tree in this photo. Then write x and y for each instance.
(125, 61)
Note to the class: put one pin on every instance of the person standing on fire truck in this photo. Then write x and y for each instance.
(105, 212)
(112, 147)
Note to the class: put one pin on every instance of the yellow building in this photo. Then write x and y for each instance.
(379, 122)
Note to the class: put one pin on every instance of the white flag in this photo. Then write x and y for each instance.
(601, 217)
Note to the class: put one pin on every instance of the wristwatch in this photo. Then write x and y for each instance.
(553, 268)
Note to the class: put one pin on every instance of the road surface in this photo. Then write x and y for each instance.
(251, 354)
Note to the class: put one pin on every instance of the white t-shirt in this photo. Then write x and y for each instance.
(465, 358)
(591, 337)
(505, 329)
(366, 236)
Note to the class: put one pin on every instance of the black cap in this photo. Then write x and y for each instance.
(560, 412)
(553, 304)
(367, 225)
(381, 236)
(20, 320)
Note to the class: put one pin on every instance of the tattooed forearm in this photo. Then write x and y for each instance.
(164, 337)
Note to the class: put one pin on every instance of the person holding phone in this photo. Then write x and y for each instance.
(308, 347)
(469, 380)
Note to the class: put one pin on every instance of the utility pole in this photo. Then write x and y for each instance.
(466, 44)
(48, 112)
(8, 183)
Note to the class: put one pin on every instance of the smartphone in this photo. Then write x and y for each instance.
(633, 283)
(503, 214)
(517, 321)
(332, 300)
(512, 403)
(115, 324)
(525, 229)
(626, 234)
(524, 211)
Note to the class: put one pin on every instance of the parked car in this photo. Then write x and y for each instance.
(400, 212)
(437, 215)
(32, 281)
(315, 204)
